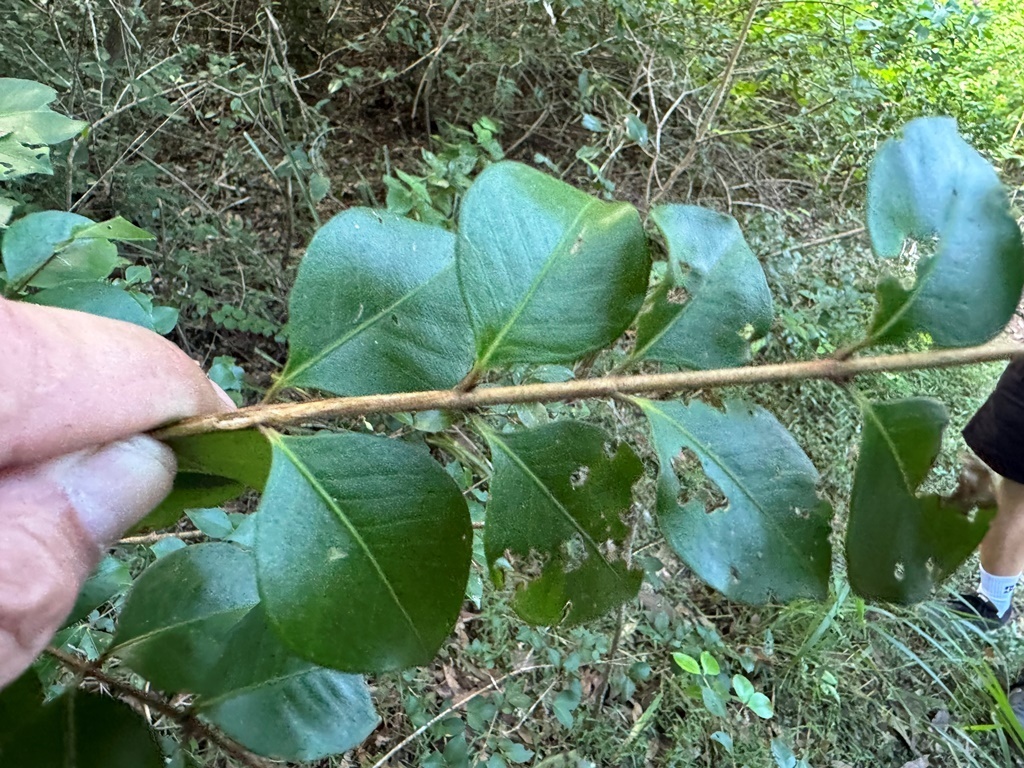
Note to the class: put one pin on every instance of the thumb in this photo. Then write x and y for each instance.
(56, 519)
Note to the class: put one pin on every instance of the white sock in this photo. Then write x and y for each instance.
(998, 589)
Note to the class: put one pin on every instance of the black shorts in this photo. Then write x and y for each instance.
(996, 433)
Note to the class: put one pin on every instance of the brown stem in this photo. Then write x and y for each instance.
(607, 386)
(186, 720)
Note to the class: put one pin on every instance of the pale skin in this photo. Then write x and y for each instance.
(1002, 549)
(77, 393)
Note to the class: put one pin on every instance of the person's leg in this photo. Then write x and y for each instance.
(1002, 550)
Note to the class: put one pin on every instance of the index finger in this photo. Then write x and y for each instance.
(69, 380)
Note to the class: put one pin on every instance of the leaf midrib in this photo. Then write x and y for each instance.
(132, 642)
(354, 532)
(554, 256)
(772, 523)
(362, 327)
(213, 701)
(591, 544)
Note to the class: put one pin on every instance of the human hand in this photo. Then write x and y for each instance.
(76, 392)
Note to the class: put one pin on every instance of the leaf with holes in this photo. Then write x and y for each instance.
(280, 706)
(376, 308)
(181, 611)
(359, 572)
(772, 540)
(931, 184)
(557, 498)
(714, 299)
(549, 273)
(27, 125)
(900, 546)
(77, 729)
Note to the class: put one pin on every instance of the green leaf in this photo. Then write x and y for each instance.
(743, 687)
(900, 546)
(7, 206)
(376, 308)
(714, 299)
(557, 497)
(18, 160)
(110, 578)
(215, 522)
(636, 130)
(549, 273)
(592, 123)
(771, 542)
(212, 469)
(20, 702)
(319, 187)
(95, 298)
(713, 701)
(280, 706)
(25, 113)
(724, 739)
(40, 249)
(363, 547)
(81, 730)
(761, 706)
(783, 753)
(932, 184)
(686, 663)
(181, 611)
(27, 124)
(117, 228)
(709, 664)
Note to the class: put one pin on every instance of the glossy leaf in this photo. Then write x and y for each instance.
(27, 124)
(81, 730)
(95, 298)
(363, 547)
(900, 546)
(212, 469)
(181, 611)
(714, 299)
(281, 706)
(549, 273)
(686, 663)
(20, 702)
(771, 541)
(931, 184)
(39, 249)
(743, 687)
(117, 228)
(709, 664)
(110, 578)
(376, 308)
(557, 500)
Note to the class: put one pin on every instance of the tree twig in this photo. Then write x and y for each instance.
(153, 538)
(818, 241)
(186, 720)
(492, 686)
(608, 386)
(716, 102)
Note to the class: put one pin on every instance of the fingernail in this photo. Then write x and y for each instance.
(114, 487)
(224, 396)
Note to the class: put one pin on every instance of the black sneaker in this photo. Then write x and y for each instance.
(977, 609)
